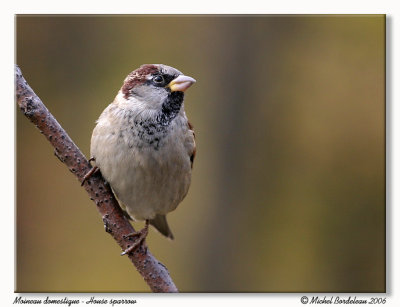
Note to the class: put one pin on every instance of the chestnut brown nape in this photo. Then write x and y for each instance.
(137, 77)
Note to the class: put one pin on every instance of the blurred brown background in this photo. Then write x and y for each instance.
(288, 190)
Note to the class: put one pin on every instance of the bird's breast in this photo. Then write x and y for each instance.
(147, 166)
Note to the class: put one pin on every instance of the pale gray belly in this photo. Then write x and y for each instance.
(146, 181)
(152, 186)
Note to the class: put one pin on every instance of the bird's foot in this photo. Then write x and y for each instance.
(141, 234)
(90, 173)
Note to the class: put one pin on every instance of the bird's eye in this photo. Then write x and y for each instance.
(158, 79)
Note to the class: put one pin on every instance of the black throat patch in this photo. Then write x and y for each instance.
(170, 108)
(153, 130)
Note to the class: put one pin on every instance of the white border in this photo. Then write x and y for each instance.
(8, 9)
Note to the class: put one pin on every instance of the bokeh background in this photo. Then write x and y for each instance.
(288, 190)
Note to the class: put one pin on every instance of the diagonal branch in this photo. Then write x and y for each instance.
(154, 273)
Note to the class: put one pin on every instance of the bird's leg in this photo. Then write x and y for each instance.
(90, 173)
(142, 234)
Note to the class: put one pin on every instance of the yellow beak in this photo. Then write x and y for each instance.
(181, 83)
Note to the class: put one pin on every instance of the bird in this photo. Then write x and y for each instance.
(144, 146)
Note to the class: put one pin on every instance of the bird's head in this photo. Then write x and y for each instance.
(154, 84)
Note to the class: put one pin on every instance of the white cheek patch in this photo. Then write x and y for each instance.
(146, 97)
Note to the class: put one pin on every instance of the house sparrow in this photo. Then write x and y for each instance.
(144, 145)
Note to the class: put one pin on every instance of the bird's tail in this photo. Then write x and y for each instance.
(160, 223)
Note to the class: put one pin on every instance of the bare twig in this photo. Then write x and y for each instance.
(154, 273)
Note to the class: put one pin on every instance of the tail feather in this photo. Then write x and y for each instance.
(160, 223)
